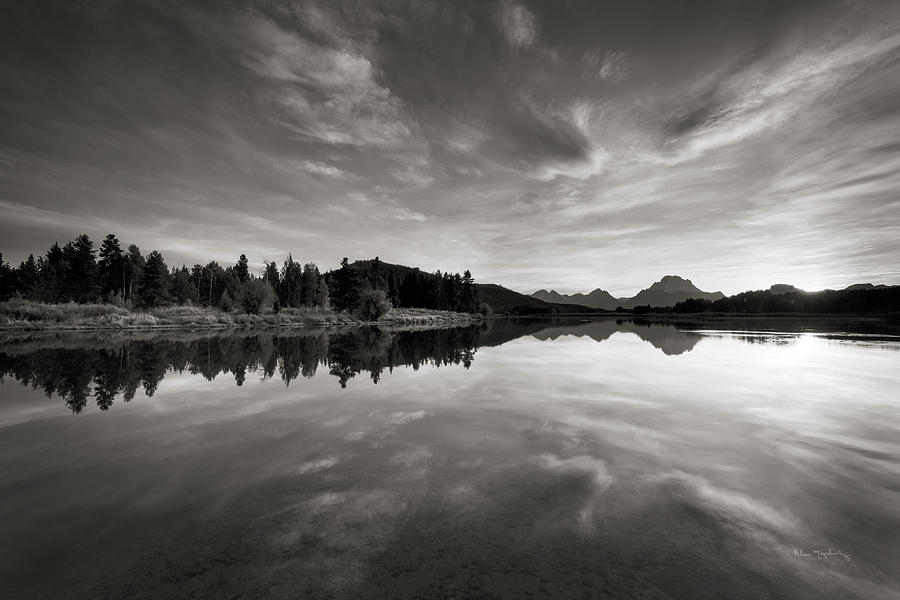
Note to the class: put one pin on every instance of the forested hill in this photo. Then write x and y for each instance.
(410, 286)
(854, 299)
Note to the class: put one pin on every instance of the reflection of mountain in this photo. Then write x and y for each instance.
(667, 338)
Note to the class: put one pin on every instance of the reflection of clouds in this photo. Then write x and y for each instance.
(621, 433)
(600, 476)
(338, 421)
(594, 467)
(408, 458)
(324, 501)
(732, 504)
(314, 466)
(399, 418)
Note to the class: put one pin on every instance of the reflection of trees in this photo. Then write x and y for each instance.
(104, 366)
(106, 369)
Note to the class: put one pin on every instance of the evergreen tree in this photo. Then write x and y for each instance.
(28, 278)
(209, 280)
(376, 276)
(134, 269)
(347, 287)
(242, 269)
(470, 302)
(233, 286)
(111, 267)
(155, 282)
(7, 280)
(271, 275)
(183, 289)
(81, 280)
(291, 293)
(52, 274)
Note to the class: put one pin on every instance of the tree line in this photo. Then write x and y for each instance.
(76, 272)
(864, 300)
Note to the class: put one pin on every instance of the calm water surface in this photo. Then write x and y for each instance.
(538, 459)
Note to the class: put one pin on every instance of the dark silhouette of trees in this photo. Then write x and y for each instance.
(861, 300)
(134, 268)
(7, 280)
(242, 269)
(183, 289)
(111, 268)
(258, 297)
(271, 275)
(81, 284)
(345, 284)
(27, 278)
(291, 293)
(155, 282)
(127, 278)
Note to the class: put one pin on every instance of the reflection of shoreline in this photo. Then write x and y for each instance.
(77, 368)
(781, 322)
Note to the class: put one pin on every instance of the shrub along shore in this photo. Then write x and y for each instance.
(26, 314)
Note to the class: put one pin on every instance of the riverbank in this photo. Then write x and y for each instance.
(26, 315)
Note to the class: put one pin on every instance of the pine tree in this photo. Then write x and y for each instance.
(155, 282)
(242, 268)
(290, 293)
(82, 283)
(111, 267)
(7, 280)
(183, 289)
(28, 279)
(271, 275)
(347, 287)
(134, 268)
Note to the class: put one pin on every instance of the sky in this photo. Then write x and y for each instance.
(562, 145)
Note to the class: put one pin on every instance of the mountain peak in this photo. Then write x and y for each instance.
(673, 278)
(674, 283)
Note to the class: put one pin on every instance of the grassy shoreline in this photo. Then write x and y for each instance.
(24, 315)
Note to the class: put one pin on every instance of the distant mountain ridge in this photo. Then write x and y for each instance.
(597, 299)
(668, 291)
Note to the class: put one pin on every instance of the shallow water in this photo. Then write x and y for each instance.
(539, 458)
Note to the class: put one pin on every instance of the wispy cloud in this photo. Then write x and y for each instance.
(766, 95)
(331, 94)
